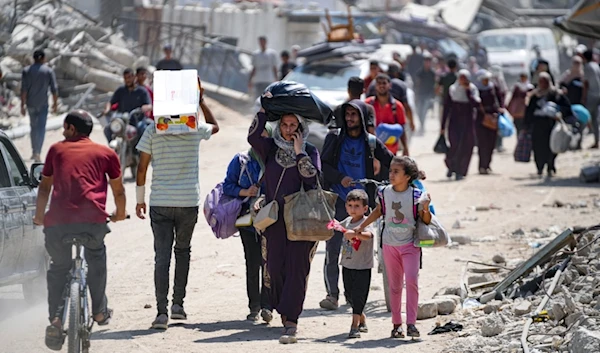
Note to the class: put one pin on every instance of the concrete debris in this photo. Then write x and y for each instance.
(585, 341)
(455, 298)
(82, 53)
(445, 306)
(492, 326)
(572, 322)
(461, 239)
(448, 291)
(522, 308)
(427, 310)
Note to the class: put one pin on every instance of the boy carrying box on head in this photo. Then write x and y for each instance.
(357, 259)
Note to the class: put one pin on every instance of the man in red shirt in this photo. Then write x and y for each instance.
(388, 110)
(77, 169)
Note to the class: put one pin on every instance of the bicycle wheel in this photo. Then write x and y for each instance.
(75, 322)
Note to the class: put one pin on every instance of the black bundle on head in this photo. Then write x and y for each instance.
(410, 167)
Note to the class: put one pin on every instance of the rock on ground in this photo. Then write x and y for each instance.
(499, 259)
(492, 326)
(558, 313)
(427, 310)
(522, 308)
(585, 341)
(445, 306)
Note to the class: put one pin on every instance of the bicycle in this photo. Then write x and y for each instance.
(75, 298)
(378, 227)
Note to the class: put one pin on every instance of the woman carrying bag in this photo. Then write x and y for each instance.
(290, 162)
(243, 181)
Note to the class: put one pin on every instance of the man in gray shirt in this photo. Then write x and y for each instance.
(36, 79)
(591, 91)
(264, 68)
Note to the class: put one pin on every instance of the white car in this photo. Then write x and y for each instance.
(512, 48)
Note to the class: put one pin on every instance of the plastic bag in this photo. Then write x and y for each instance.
(441, 146)
(389, 134)
(307, 214)
(285, 97)
(505, 125)
(560, 137)
(581, 113)
(431, 235)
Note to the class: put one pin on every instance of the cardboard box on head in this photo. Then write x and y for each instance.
(176, 102)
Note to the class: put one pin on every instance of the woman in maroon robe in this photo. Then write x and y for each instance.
(459, 113)
(289, 162)
(486, 137)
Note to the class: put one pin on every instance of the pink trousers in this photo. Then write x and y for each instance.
(403, 262)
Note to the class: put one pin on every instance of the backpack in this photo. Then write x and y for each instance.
(221, 211)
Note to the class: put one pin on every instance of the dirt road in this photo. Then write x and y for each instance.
(216, 300)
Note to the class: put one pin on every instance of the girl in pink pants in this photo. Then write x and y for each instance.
(401, 205)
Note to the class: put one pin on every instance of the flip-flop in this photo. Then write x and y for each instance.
(107, 315)
(55, 338)
(448, 327)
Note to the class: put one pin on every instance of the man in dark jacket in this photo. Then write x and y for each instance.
(348, 155)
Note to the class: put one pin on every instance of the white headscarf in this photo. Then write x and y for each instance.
(286, 145)
(458, 93)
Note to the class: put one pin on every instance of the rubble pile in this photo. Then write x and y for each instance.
(548, 303)
(88, 59)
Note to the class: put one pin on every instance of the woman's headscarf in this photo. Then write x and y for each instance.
(458, 93)
(498, 77)
(575, 72)
(524, 86)
(544, 92)
(481, 76)
(288, 146)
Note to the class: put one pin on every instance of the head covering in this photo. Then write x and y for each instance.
(498, 77)
(458, 93)
(481, 76)
(286, 145)
(363, 110)
(543, 92)
(167, 47)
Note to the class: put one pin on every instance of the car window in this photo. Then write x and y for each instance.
(503, 42)
(4, 178)
(327, 77)
(16, 167)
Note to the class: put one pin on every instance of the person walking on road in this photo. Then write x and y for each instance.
(264, 68)
(35, 82)
(174, 201)
(459, 112)
(388, 110)
(242, 181)
(486, 137)
(168, 62)
(540, 120)
(286, 64)
(517, 105)
(425, 79)
(356, 87)
(591, 94)
(348, 155)
(290, 162)
(76, 171)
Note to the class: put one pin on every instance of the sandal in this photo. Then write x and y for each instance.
(55, 337)
(397, 332)
(107, 316)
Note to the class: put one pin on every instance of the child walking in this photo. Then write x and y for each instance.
(401, 205)
(357, 259)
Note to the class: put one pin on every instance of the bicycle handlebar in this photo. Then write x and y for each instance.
(369, 181)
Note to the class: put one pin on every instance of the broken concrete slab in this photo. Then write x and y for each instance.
(461, 239)
(492, 307)
(557, 312)
(457, 300)
(585, 341)
(427, 310)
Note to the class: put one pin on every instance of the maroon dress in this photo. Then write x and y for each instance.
(460, 117)
(486, 138)
(287, 262)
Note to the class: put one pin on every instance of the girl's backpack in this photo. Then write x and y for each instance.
(221, 211)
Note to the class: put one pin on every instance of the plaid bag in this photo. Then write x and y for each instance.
(524, 147)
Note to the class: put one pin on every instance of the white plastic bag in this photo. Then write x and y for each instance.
(560, 137)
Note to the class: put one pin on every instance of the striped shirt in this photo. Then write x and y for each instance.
(175, 166)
